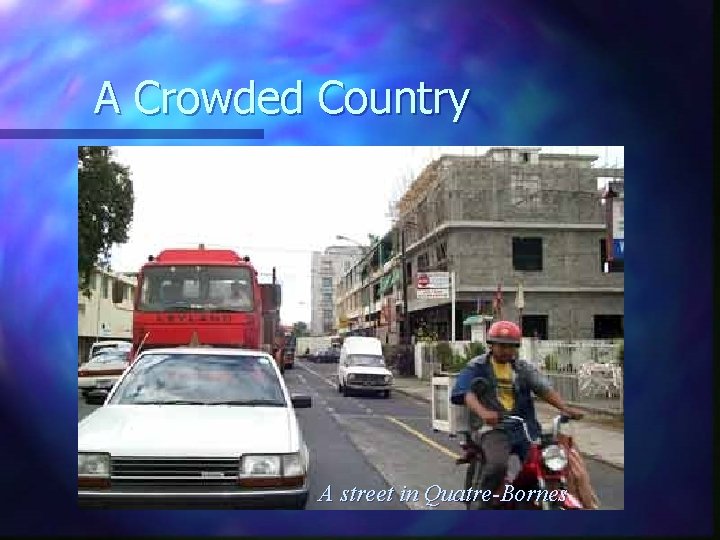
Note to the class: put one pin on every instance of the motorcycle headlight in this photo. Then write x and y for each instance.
(555, 458)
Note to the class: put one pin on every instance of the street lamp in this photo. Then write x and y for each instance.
(362, 246)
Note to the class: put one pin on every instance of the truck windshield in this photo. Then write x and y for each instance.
(202, 288)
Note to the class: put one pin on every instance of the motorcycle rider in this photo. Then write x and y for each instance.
(512, 381)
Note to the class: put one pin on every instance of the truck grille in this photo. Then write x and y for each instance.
(174, 472)
(368, 378)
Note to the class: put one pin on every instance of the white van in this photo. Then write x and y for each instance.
(362, 367)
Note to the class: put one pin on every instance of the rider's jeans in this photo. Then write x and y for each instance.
(496, 450)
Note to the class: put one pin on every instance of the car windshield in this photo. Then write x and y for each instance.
(196, 288)
(366, 360)
(205, 379)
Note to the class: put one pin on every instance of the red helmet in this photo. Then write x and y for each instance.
(504, 332)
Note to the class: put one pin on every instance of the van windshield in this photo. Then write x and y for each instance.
(366, 360)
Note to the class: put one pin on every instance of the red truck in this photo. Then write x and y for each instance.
(203, 297)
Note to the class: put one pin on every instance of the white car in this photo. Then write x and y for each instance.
(361, 367)
(195, 427)
(102, 371)
(108, 345)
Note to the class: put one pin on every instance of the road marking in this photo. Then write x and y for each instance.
(320, 376)
(423, 438)
(369, 411)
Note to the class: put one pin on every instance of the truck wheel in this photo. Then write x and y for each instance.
(340, 388)
(345, 391)
(386, 394)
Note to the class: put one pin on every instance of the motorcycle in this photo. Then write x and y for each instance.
(538, 483)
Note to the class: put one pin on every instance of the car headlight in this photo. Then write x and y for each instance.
(293, 465)
(388, 378)
(287, 470)
(350, 376)
(253, 466)
(555, 458)
(93, 470)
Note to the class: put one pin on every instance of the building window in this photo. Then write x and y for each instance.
(327, 298)
(346, 265)
(327, 283)
(527, 254)
(609, 326)
(81, 309)
(93, 281)
(105, 286)
(441, 252)
(423, 262)
(612, 266)
(328, 315)
(408, 271)
(525, 189)
(535, 326)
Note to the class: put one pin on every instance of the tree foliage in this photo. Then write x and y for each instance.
(105, 208)
(300, 329)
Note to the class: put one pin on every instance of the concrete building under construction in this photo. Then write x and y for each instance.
(509, 217)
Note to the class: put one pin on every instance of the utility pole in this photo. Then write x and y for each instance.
(405, 325)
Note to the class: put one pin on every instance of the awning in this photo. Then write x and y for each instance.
(476, 319)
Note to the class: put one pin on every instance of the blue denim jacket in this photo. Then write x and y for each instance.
(527, 380)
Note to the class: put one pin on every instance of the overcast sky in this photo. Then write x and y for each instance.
(275, 204)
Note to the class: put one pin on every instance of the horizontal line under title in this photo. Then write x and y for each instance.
(333, 98)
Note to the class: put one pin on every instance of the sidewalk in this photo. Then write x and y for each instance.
(599, 439)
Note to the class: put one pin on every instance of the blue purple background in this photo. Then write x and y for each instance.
(542, 73)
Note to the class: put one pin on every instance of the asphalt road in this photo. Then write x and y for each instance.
(374, 444)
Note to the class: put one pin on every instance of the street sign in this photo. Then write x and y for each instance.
(433, 280)
(433, 293)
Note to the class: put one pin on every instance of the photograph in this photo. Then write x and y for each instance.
(351, 327)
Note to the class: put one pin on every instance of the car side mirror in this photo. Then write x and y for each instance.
(96, 397)
(301, 401)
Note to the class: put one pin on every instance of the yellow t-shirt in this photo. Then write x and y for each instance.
(503, 374)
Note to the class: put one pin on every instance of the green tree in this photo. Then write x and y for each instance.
(300, 329)
(105, 208)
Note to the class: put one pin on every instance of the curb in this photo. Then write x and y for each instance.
(411, 394)
(591, 455)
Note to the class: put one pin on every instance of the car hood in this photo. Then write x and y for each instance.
(103, 367)
(188, 430)
(369, 369)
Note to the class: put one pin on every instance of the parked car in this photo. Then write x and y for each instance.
(361, 367)
(102, 346)
(195, 428)
(102, 371)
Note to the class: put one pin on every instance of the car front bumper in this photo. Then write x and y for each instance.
(368, 387)
(146, 498)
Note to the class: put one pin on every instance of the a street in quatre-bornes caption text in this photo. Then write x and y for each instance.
(435, 495)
